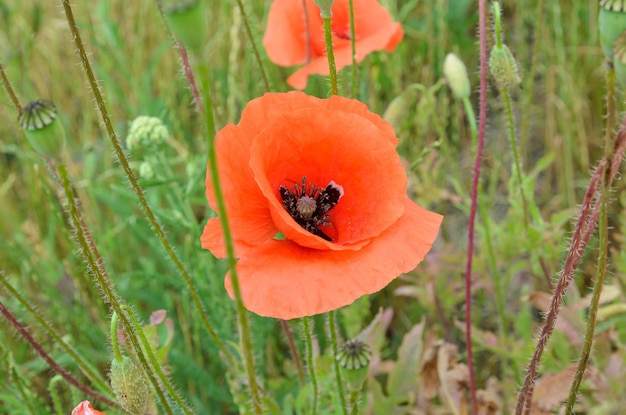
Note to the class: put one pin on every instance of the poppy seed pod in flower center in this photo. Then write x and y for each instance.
(325, 174)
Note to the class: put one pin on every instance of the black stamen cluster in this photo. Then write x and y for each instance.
(325, 199)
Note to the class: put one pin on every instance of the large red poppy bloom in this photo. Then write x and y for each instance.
(289, 40)
(85, 408)
(316, 200)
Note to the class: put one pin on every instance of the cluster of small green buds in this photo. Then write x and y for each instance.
(611, 23)
(130, 386)
(456, 74)
(187, 21)
(325, 8)
(354, 361)
(146, 133)
(42, 129)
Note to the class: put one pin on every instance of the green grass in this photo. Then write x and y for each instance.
(140, 74)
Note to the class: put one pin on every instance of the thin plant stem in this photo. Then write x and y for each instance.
(571, 263)
(189, 75)
(115, 345)
(84, 366)
(54, 393)
(338, 379)
(307, 29)
(511, 122)
(242, 313)
(155, 364)
(603, 246)
(595, 299)
(487, 226)
(19, 383)
(516, 159)
(252, 41)
(583, 230)
(36, 346)
(121, 157)
(355, 68)
(354, 402)
(530, 87)
(294, 351)
(106, 289)
(9, 89)
(330, 54)
(310, 362)
(482, 117)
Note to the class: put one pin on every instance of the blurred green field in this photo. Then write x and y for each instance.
(559, 119)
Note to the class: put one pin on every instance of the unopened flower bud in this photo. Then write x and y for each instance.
(146, 132)
(187, 21)
(325, 8)
(130, 386)
(456, 73)
(146, 171)
(611, 23)
(354, 361)
(396, 111)
(503, 67)
(42, 129)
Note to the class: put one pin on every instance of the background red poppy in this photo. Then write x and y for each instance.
(288, 43)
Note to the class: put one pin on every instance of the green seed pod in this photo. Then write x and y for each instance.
(43, 131)
(130, 386)
(354, 361)
(612, 22)
(456, 73)
(503, 67)
(187, 21)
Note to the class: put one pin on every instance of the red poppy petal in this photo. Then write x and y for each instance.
(283, 280)
(285, 38)
(249, 215)
(326, 146)
(85, 408)
(338, 103)
(398, 34)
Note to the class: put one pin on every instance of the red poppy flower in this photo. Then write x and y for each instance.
(85, 408)
(288, 43)
(316, 200)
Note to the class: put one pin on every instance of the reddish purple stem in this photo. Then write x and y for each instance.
(189, 75)
(482, 117)
(54, 365)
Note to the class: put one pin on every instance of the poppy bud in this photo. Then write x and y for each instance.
(187, 21)
(611, 23)
(503, 67)
(396, 111)
(146, 133)
(456, 73)
(325, 8)
(130, 385)
(43, 131)
(354, 361)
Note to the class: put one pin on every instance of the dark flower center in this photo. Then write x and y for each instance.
(309, 205)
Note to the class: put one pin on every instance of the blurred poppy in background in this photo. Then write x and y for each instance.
(295, 35)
